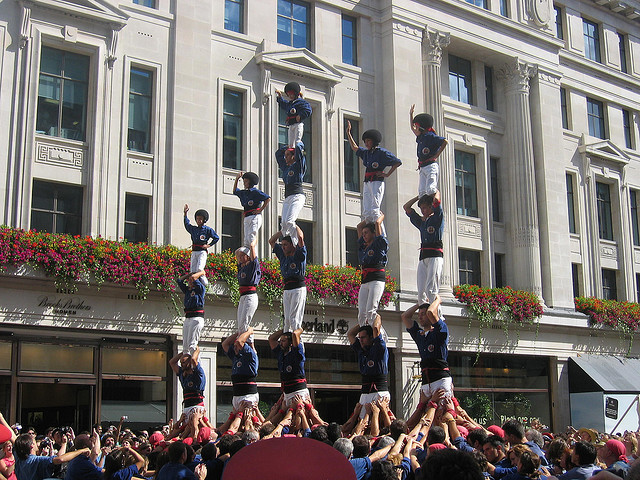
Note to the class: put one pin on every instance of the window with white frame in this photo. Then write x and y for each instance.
(294, 24)
(62, 94)
(140, 113)
(466, 187)
(56, 208)
(136, 218)
(460, 80)
(591, 32)
(232, 128)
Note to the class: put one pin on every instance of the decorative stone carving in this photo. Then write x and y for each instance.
(539, 12)
(66, 157)
(111, 48)
(517, 74)
(433, 41)
(408, 29)
(24, 26)
(608, 250)
(468, 228)
(309, 195)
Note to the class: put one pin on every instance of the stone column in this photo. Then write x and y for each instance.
(433, 42)
(523, 225)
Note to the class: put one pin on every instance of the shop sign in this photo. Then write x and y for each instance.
(340, 327)
(63, 305)
(611, 407)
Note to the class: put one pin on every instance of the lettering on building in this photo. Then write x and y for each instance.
(63, 305)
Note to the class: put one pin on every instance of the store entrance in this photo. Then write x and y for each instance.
(55, 403)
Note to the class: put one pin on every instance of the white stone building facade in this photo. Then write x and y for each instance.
(116, 114)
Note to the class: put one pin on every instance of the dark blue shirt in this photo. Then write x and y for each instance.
(374, 360)
(203, 235)
(298, 106)
(125, 473)
(251, 198)
(433, 347)
(250, 274)
(293, 267)
(431, 231)
(192, 384)
(376, 160)
(374, 254)
(362, 467)
(291, 364)
(34, 467)
(245, 362)
(193, 297)
(428, 145)
(292, 175)
(82, 468)
(176, 471)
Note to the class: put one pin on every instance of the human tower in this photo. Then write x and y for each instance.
(367, 337)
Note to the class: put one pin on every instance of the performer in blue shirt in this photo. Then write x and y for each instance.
(202, 237)
(431, 226)
(293, 165)
(432, 338)
(192, 378)
(375, 160)
(194, 291)
(430, 146)
(244, 367)
(289, 349)
(253, 201)
(293, 264)
(249, 274)
(297, 109)
(373, 361)
(372, 253)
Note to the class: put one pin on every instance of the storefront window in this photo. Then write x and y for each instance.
(122, 361)
(37, 357)
(332, 373)
(498, 387)
(5, 355)
(144, 402)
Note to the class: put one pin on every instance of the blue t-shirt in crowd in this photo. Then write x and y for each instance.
(34, 467)
(175, 471)
(362, 467)
(82, 468)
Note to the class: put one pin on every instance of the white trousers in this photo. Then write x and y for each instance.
(254, 398)
(198, 262)
(188, 411)
(252, 224)
(304, 393)
(429, 274)
(191, 329)
(291, 208)
(368, 299)
(247, 306)
(370, 398)
(294, 133)
(293, 303)
(445, 383)
(428, 184)
(372, 195)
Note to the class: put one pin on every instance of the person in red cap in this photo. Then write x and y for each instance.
(297, 110)
(613, 456)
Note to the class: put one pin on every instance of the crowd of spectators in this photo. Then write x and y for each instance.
(439, 441)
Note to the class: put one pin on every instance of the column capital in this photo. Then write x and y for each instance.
(433, 41)
(517, 74)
